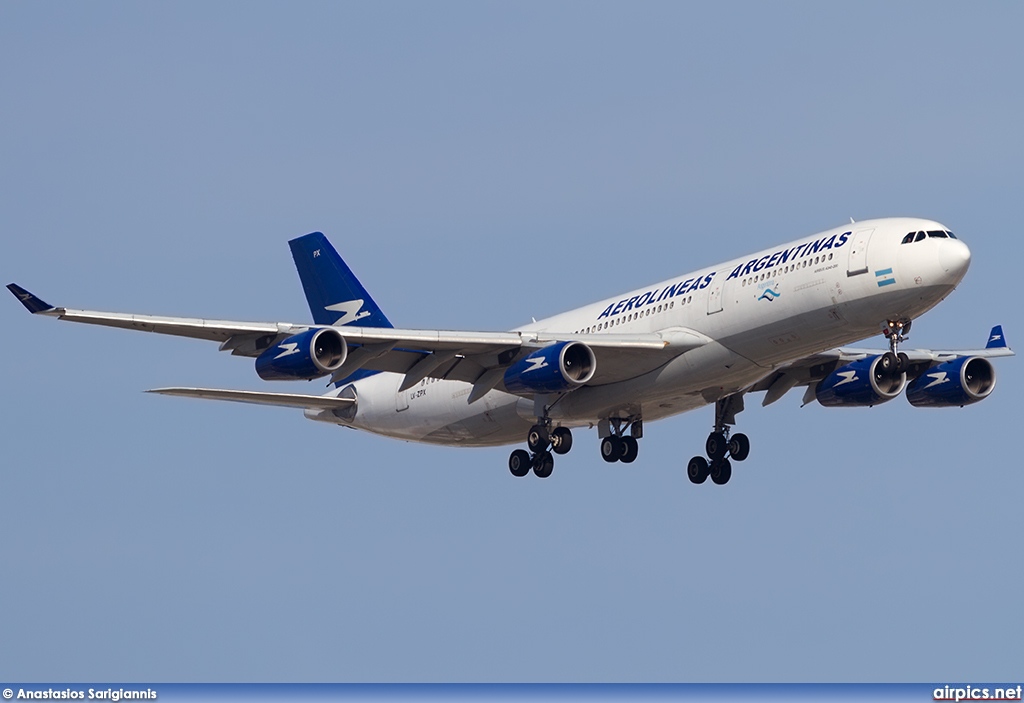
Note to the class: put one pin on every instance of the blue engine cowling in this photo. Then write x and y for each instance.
(311, 354)
(962, 381)
(553, 369)
(862, 383)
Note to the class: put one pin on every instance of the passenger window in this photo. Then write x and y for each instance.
(920, 236)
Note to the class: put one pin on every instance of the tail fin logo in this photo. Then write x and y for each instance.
(351, 310)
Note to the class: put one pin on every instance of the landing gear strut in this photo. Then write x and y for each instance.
(721, 446)
(542, 441)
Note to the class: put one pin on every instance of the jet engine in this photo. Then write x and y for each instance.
(870, 381)
(554, 369)
(962, 381)
(310, 354)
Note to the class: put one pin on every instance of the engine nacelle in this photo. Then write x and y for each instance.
(311, 354)
(553, 369)
(962, 381)
(867, 382)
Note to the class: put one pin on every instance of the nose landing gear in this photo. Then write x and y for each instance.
(896, 331)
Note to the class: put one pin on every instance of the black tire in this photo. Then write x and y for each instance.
(902, 362)
(561, 440)
(537, 440)
(543, 464)
(630, 450)
(716, 446)
(739, 447)
(721, 471)
(611, 449)
(697, 469)
(888, 363)
(520, 463)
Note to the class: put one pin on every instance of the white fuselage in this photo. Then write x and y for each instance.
(762, 311)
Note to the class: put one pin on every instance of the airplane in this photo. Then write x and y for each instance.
(767, 322)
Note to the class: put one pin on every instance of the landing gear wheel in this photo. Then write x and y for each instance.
(630, 450)
(538, 438)
(716, 446)
(519, 463)
(543, 464)
(697, 469)
(721, 471)
(888, 362)
(611, 449)
(902, 362)
(561, 440)
(739, 447)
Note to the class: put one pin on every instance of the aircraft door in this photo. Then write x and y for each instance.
(715, 297)
(859, 252)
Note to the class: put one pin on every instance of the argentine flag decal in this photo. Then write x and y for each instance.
(884, 277)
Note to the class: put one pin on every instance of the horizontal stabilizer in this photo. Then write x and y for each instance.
(287, 400)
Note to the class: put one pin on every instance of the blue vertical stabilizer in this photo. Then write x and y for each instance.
(995, 338)
(334, 294)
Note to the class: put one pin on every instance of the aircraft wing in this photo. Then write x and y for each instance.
(479, 358)
(811, 369)
(287, 400)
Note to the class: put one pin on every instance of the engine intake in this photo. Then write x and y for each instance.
(960, 382)
(870, 381)
(554, 369)
(310, 354)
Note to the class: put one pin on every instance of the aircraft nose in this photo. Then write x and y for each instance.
(955, 258)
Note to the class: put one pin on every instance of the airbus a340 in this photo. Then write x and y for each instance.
(767, 322)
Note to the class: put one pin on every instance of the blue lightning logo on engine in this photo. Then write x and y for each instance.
(536, 363)
(848, 377)
(940, 378)
(289, 348)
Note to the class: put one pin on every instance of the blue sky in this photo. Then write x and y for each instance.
(478, 164)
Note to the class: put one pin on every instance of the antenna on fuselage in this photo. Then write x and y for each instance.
(852, 221)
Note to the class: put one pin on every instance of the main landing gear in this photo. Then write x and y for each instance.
(543, 442)
(616, 445)
(720, 446)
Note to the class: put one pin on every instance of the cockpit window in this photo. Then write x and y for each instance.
(909, 238)
(938, 233)
(920, 236)
(951, 235)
